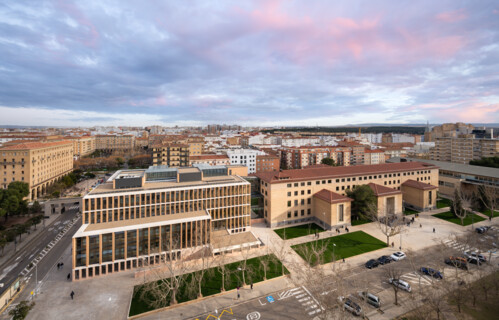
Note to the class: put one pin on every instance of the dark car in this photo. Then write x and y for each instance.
(431, 272)
(474, 260)
(372, 264)
(384, 260)
(457, 262)
(482, 229)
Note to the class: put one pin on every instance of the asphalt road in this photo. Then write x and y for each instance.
(13, 267)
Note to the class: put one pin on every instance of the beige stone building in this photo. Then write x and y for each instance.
(115, 142)
(290, 195)
(146, 217)
(39, 164)
(83, 146)
(211, 159)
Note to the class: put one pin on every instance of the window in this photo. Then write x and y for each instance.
(309, 183)
(289, 214)
(308, 191)
(296, 184)
(329, 181)
(302, 184)
(302, 192)
(289, 203)
(289, 194)
(302, 201)
(348, 179)
(343, 180)
(308, 201)
(337, 180)
(296, 202)
(302, 213)
(340, 212)
(323, 181)
(289, 185)
(309, 211)
(296, 213)
(337, 188)
(296, 193)
(430, 198)
(317, 182)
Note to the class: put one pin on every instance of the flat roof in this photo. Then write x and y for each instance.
(107, 187)
(456, 167)
(286, 176)
(132, 224)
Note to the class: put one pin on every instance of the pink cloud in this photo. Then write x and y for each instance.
(466, 111)
(452, 16)
(92, 35)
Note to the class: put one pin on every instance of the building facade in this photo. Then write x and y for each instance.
(210, 159)
(245, 157)
(289, 195)
(145, 217)
(300, 157)
(39, 164)
(114, 142)
(463, 149)
(83, 146)
(267, 162)
(172, 154)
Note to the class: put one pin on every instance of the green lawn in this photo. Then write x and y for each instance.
(347, 245)
(487, 213)
(254, 201)
(448, 216)
(409, 212)
(298, 231)
(213, 283)
(360, 221)
(443, 203)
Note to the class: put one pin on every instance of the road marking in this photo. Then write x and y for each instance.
(415, 278)
(304, 299)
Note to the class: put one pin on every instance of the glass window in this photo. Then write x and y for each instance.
(119, 245)
(93, 251)
(340, 212)
(81, 251)
(107, 247)
(131, 244)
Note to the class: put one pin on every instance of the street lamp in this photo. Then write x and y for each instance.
(400, 240)
(334, 257)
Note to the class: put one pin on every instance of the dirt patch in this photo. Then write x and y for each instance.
(13, 220)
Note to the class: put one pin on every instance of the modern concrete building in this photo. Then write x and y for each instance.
(210, 159)
(300, 157)
(39, 164)
(290, 196)
(463, 149)
(145, 217)
(245, 157)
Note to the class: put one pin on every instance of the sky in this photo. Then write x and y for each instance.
(253, 63)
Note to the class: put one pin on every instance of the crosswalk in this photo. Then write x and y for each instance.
(415, 278)
(462, 247)
(63, 229)
(304, 298)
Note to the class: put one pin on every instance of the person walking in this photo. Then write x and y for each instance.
(433, 230)
(420, 225)
(72, 294)
(69, 276)
(251, 285)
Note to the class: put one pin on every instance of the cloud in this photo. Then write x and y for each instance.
(248, 62)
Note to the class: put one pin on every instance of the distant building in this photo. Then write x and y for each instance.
(115, 142)
(267, 162)
(210, 159)
(83, 146)
(246, 157)
(463, 149)
(376, 156)
(300, 157)
(39, 164)
(172, 155)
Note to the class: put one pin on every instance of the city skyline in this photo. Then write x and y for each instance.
(254, 63)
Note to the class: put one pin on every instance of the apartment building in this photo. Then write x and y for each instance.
(245, 157)
(375, 156)
(83, 146)
(299, 141)
(358, 151)
(145, 217)
(210, 159)
(114, 142)
(171, 154)
(300, 157)
(298, 195)
(267, 162)
(463, 149)
(39, 164)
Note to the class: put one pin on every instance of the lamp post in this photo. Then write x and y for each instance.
(324, 220)
(334, 257)
(400, 240)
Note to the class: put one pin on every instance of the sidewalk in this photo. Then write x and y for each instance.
(8, 252)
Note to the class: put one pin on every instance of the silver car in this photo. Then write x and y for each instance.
(401, 284)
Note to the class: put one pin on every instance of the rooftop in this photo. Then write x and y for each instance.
(418, 185)
(380, 190)
(36, 145)
(331, 197)
(287, 176)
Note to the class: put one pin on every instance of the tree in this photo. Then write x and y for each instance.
(489, 197)
(198, 277)
(36, 207)
(329, 162)
(21, 311)
(21, 187)
(3, 243)
(457, 207)
(363, 200)
(389, 226)
(36, 220)
(393, 272)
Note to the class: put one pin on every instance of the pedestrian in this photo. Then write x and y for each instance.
(433, 230)
(58, 265)
(343, 260)
(62, 264)
(72, 294)
(420, 225)
(69, 276)
(316, 233)
(251, 285)
(393, 244)
(238, 295)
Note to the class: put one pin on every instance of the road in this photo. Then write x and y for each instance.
(303, 303)
(17, 264)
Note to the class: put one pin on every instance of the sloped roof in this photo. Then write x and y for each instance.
(382, 190)
(331, 197)
(418, 185)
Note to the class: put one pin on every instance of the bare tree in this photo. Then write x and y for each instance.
(457, 207)
(221, 262)
(393, 272)
(489, 196)
(265, 262)
(243, 267)
(389, 226)
(198, 276)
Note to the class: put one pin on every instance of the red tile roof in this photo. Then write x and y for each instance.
(209, 157)
(418, 185)
(331, 197)
(338, 172)
(36, 145)
(382, 190)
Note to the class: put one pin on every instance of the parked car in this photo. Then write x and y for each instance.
(431, 272)
(351, 306)
(482, 229)
(474, 260)
(458, 262)
(384, 260)
(471, 254)
(400, 284)
(372, 264)
(370, 298)
(397, 256)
